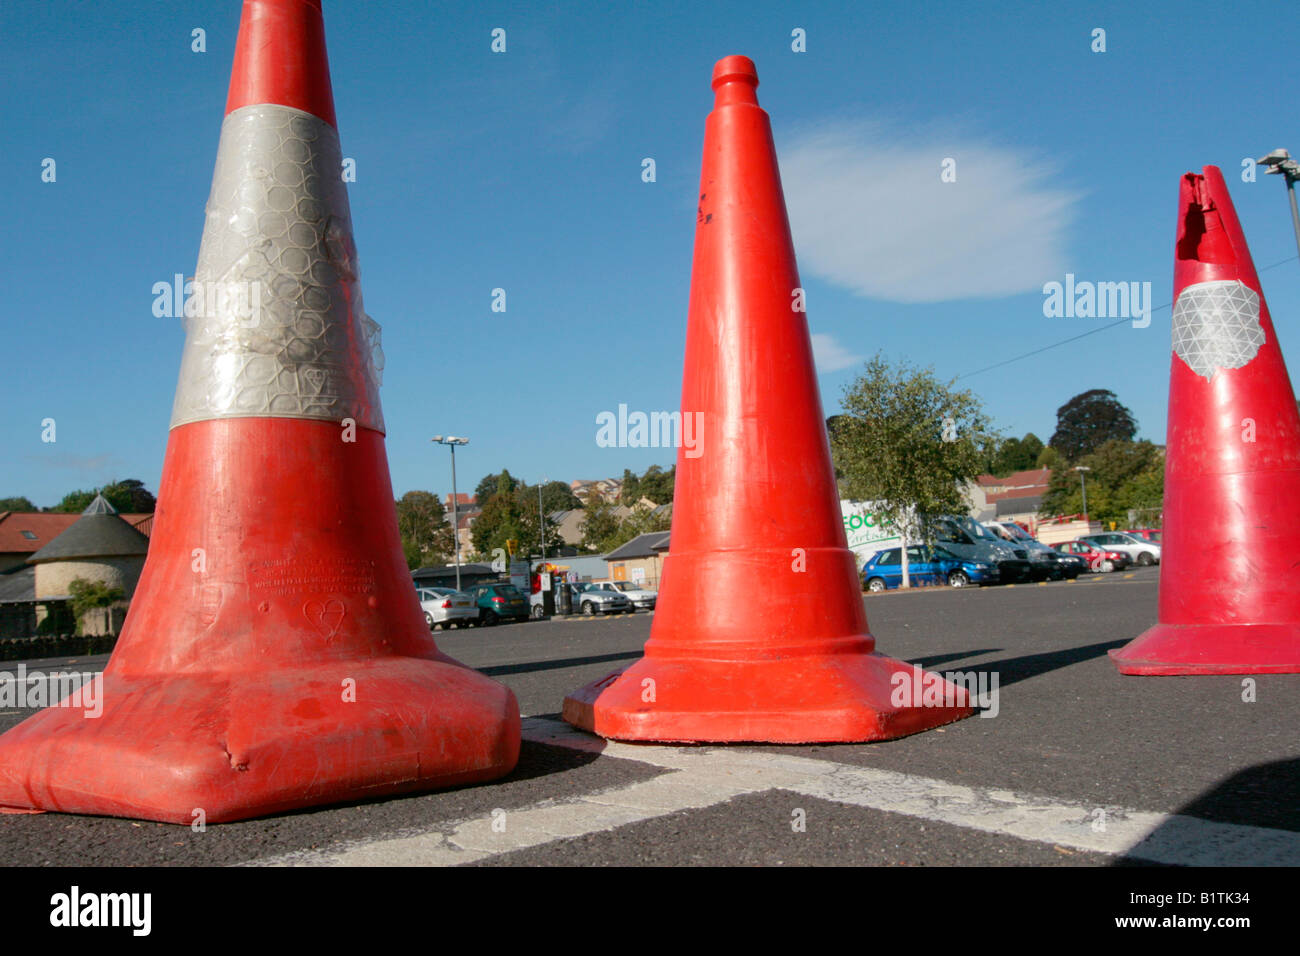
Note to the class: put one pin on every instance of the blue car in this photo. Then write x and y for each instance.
(925, 566)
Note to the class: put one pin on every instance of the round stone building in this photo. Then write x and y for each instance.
(100, 546)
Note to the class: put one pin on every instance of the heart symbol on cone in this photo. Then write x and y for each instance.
(315, 377)
(325, 616)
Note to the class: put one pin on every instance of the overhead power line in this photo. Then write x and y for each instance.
(1082, 335)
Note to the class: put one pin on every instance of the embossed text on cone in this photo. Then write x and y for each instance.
(756, 505)
(274, 655)
(1228, 599)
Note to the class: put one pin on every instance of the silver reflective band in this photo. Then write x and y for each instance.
(1216, 325)
(275, 325)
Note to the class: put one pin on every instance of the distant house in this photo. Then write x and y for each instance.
(607, 489)
(99, 545)
(23, 533)
(464, 502)
(1016, 497)
(641, 560)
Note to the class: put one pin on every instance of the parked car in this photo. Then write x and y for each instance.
(640, 597)
(498, 602)
(589, 600)
(1098, 558)
(884, 569)
(1073, 565)
(971, 541)
(446, 607)
(1142, 551)
(1146, 534)
(1044, 562)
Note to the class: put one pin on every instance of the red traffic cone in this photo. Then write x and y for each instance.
(1228, 600)
(275, 655)
(756, 506)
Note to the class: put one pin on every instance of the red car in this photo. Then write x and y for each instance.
(1098, 559)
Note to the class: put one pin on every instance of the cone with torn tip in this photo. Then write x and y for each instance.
(756, 506)
(1228, 597)
(275, 655)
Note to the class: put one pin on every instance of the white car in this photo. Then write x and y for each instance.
(1143, 552)
(444, 607)
(640, 597)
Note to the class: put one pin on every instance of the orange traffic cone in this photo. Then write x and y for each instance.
(275, 655)
(1228, 599)
(760, 632)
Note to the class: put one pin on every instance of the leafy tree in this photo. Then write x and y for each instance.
(1049, 457)
(1122, 475)
(630, 492)
(1017, 454)
(87, 595)
(600, 526)
(501, 519)
(16, 504)
(76, 501)
(491, 484)
(657, 484)
(426, 533)
(557, 496)
(1088, 421)
(908, 443)
(129, 497)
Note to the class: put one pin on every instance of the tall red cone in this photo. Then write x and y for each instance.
(275, 655)
(756, 507)
(1228, 597)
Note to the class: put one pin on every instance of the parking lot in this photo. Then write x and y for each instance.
(1079, 767)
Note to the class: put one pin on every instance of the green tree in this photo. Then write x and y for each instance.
(630, 492)
(1088, 421)
(426, 533)
(87, 595)
(129, 496)
(491, 484)
(1017, 454)
(600, 526)
(1121, 475)
(16, 504)
(557, 496)
(908, 443)
(657, 484)
(74, 502)
(501, 519)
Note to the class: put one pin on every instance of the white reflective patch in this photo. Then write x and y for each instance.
(275, 325)
(1216, 326)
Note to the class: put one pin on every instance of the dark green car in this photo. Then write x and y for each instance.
(497, 602)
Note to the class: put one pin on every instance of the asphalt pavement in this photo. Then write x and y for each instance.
(1075, 765)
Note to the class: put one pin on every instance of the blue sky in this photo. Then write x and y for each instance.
(523, 171)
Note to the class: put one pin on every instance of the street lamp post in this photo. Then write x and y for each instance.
(1280, 162)
(451, 442)
(1083, 484)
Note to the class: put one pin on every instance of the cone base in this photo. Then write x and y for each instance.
(839, 698)
(241, 745)
(1169, 650)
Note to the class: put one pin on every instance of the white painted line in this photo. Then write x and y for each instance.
(706, 776)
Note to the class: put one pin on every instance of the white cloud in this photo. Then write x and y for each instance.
(868, 212)
(829, 355)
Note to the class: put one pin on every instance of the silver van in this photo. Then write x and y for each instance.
(971, 541)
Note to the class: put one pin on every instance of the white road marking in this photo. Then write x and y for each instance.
(700, 777)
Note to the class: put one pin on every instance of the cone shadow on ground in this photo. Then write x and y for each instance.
(1012, 670)
(498, 670)
(1264, 795)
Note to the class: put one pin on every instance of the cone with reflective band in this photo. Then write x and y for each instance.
(275, 655)
(1228, 599)
(756, 510)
